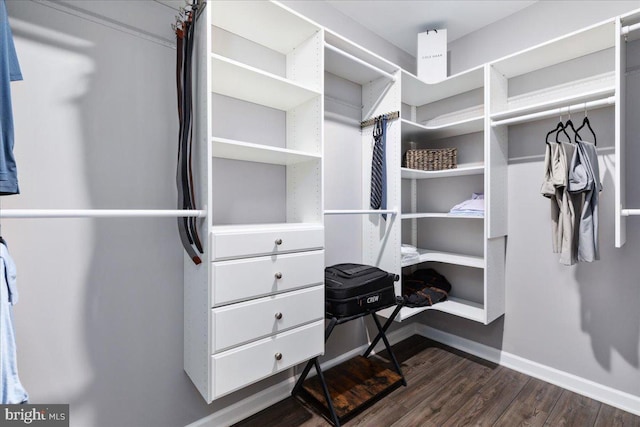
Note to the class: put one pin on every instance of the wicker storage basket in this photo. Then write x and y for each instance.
(431, 159)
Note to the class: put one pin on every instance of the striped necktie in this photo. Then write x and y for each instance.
(378, 198)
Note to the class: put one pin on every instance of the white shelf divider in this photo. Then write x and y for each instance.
(445, 173)
(241, 81)
(438, 215)
(456, 306)
(427, 255)
(346, 65)
(279, 28)
(237, 150)
(418, 92)
(353, 62)
(455, 127)
(574, 45)
(562, 95)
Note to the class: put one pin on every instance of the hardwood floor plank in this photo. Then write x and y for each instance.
(448, 397)
(449, 388)
(490, 401)
(532, 405)
(432, 382)
(608, 416)
(287, 412)
(573, 409)
(383, 413)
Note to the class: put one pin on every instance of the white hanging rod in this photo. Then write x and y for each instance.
(360, 61)
(361, 212)
(629, 28)
(100, 213)
(557, 111)
(630, 212)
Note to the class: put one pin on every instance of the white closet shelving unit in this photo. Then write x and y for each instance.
(569, 74)
(429, 113)
(255, 307)
(453, 113)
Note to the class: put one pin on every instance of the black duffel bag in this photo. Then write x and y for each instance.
(424, 287)
(352, 289)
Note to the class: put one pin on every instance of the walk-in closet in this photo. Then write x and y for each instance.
(180, 178)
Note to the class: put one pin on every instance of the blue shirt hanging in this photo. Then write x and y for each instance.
(9, 71)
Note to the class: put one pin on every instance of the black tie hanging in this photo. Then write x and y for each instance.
(378, 198)
(185, 33)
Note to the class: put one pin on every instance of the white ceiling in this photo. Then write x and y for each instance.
(399, 21)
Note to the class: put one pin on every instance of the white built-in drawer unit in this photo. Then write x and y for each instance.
(256, 306)
(234, 369)
(264, 316)
(246, 278)
(248, 241)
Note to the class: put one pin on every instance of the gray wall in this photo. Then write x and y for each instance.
(99, 321)
(582, 319)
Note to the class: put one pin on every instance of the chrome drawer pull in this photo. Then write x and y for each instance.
(278, 242)
(278, 356)
(278, 275)
(278, 315)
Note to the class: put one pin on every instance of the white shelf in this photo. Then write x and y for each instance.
(574, 45)
(427, 255)
(263, 22)
(418, 92)
(246, 151)
(237, 80)
(407, 173)
(456, 306)
(250, 228)
(350, 69)
(442, 127)
(582, 90)
(438, 215)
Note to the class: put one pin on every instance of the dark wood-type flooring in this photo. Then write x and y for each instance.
(447, 387)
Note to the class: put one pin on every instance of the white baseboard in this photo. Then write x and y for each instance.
(274, 394)
(616, 398)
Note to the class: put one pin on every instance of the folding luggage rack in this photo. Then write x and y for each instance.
(356, 384)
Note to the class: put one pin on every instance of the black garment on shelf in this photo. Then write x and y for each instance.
(424, 287)
(355, 288)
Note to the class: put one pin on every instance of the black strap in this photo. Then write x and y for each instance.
(187, 227)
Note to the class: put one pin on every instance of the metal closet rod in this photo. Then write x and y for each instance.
(557, 111)
(389, 116)
(630, 28)
(101, 213)
(630, 212)
(360, 61)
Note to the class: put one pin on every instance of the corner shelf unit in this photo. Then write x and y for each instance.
(470, 253)
(255, 307)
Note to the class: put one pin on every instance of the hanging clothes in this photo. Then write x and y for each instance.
(584, 179)
(555, 186)
(9, 71)
(11, 390)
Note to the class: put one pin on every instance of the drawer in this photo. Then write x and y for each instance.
(241, 366)
(240, 323)
(243, 279)
(239, 242)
